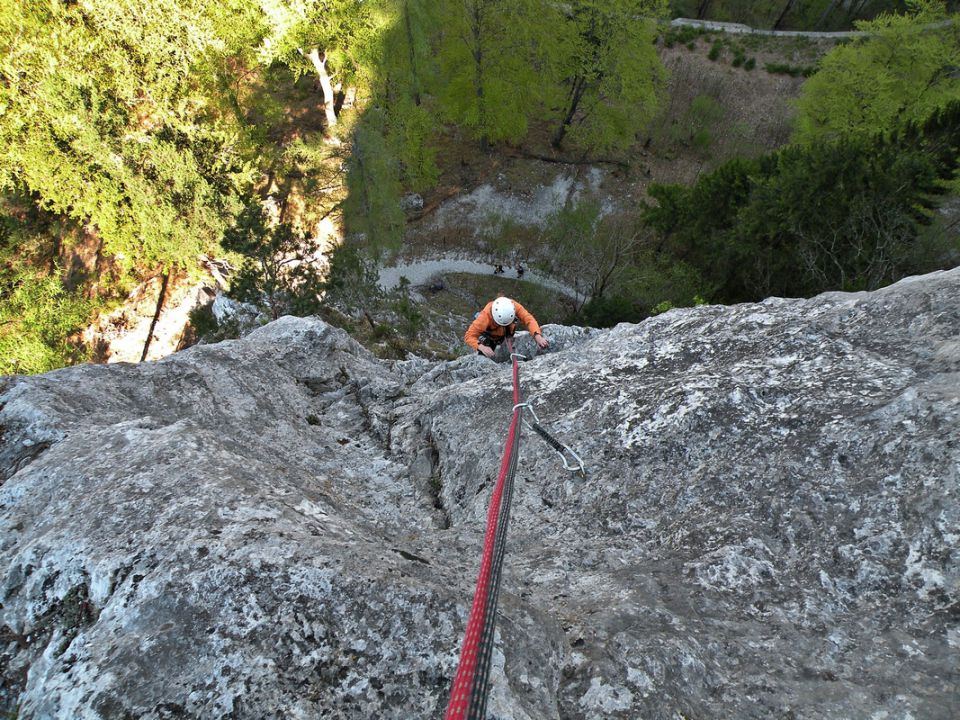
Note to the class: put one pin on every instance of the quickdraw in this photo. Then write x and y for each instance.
(561, 449)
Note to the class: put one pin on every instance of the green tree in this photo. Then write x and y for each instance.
(694, 223)
(37, 319)
(838, 216)
(845, 214)
(351, 283)
(279, 268)
(611, 72)
(40, 315)
(404, 77)
(372, 207)
(595, 249)
(902, 70)
(652, 283)
(326, 37)
(498, 64)
(105, 118)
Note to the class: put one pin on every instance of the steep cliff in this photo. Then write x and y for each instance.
(285, 527)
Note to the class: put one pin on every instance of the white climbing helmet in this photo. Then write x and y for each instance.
(503, 311)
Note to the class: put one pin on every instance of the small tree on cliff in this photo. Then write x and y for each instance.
(278, 269)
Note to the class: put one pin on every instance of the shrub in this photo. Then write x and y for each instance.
(277, 270)
(202, 320)
(37, 321)
(791, 70)
(685, 35)
(714, 51)
(409, 317)
(750, 64)
(608, 311)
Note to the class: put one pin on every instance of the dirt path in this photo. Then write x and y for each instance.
(739, 29)
(420, 272)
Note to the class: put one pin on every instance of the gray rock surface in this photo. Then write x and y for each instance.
(285, 527)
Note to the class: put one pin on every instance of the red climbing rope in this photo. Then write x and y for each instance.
(468, 698)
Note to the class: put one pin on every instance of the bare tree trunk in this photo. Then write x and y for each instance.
(413, 56)
(783, 14)
(576, 94)
(156, 315)
(821, 23)
(854, 10)
(320, 65)
(55, 254)
(478, 77)
(702, 9)
(91, 291)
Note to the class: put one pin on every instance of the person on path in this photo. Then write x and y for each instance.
(496, 322)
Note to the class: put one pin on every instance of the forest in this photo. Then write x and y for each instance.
(137, 136)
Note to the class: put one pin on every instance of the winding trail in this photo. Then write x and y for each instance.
(740, 29)
(420, 272)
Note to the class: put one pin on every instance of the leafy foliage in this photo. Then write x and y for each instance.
(497, 64)
(151, 123)
(611, 72)
(104, 119)
(402, 85)
(844, 215)
(372, 208)
(652, 283)
(277, 270)
(351, 283)
(338, 27)
(39, 316)
(597, 250)
(901, 71)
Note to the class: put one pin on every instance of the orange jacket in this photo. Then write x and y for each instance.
(486, 324)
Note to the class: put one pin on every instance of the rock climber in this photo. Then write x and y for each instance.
(496, 322)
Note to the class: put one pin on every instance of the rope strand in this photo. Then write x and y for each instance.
(468, 696)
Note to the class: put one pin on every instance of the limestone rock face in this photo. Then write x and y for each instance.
(285, 527)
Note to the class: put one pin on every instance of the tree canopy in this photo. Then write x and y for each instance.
(904, 68)
(610, 71)
(498, 63)
(158, 129)
(111, 121)
(846, 214)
